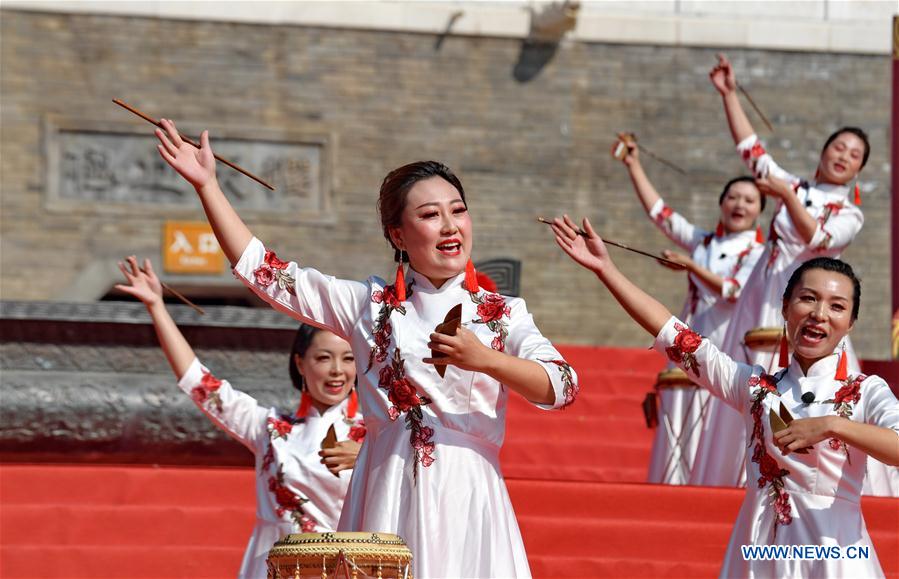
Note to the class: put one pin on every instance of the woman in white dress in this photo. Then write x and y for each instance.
(718, 266)
(434, 403)
(811, 218)
(807, 476)
(296, 487)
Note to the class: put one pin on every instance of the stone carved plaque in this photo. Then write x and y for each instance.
(118, 168)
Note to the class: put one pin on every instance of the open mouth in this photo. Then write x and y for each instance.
(334, 386)
(450, 247)
(812, 335)
(839, 167)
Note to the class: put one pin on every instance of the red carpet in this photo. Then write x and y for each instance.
(573, 477)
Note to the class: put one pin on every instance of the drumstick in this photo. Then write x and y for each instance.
(178, 295)
(153, 121)
(583, 233)
(662, 160)
(755, 106)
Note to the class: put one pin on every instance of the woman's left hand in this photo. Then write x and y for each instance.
(341, 457)
(803, 433)
(676, 257)
(464, 350)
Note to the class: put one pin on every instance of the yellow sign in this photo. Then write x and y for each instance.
(191, 247)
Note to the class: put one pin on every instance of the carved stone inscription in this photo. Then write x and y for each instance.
(122, 168)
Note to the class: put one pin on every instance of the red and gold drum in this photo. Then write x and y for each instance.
(349, 555)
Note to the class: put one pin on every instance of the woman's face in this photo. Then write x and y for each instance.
(329, 369)
(435, 230)
(740, 207)
(842, 159)
(818, 314)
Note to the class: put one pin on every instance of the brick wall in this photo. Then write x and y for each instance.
(521, 148)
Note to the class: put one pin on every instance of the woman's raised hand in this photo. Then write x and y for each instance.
(588, 251)
(722, 76)
(677, 257)
(142, 284)
(197, 166)
(633, 151)
(773, 187)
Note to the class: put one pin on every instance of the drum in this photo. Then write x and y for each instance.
(763, 339)
(349, 555)
(673, 378)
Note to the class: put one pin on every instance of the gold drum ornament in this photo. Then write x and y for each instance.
(346, 555)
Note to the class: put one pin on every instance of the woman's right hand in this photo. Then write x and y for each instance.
(197, 166)
(722, 76)
(633, 152)
(142, 284)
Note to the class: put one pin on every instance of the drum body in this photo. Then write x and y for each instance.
(763, 339)
(350, 555)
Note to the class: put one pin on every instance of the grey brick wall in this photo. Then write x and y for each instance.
(521, 148)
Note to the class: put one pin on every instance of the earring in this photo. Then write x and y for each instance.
(759, 236)
(784, 360)
(719, 231)
(471, 278)
(842, 372)
(858, 194)
(305, 400)
(353, 405)
(400, 282)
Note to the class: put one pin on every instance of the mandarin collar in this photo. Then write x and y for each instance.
(831, 189)
(826, 366)
(424, 285)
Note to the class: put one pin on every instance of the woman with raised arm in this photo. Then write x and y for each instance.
(809, 432)
(296, 487)
(811, 219)
(434, 401)
(718, 266)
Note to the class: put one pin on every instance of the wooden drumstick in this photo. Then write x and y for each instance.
(178, 295)
(153, 121)
(583, 233)
(756, 107)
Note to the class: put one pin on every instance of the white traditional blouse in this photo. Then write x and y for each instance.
(429, 470)
(295, 492)
(800, 499)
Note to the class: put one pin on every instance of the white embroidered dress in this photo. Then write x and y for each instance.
(294, 491)
(429, 469)
(798, 499)
(686, 411)
(839, 221)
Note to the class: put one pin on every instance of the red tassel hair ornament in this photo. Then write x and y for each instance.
(719, 231)
(471, 278)
(353, 405)
(759, 236)
(842, 372)
(784, 359)
(399, 282)
(305, 404)
(858, 195)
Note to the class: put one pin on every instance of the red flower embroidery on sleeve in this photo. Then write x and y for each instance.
(570, 388)
(848, 394)
(278, 428)
(492, 310)
(686, 342)
(273, 270)
(206, 393)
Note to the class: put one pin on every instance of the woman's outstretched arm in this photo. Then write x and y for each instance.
(198, 168)
(725, 82)
(591, 253)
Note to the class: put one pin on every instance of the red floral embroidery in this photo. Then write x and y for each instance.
(206, 393)
(682, 350)
(492, 309)
(570, 388)
(382, 330)
(358, 432)
(272, 270)
(290, 502)
(848, 394)
(406, 399)
(663, 217)
(278, 428)
(771, 473)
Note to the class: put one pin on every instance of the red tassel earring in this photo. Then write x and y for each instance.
(858, 195)
(759, 236)
(471, 278)
(305, 403)
(842, 372)
(784, 359)
(353, 405)
(399, 283)
(719, 231)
